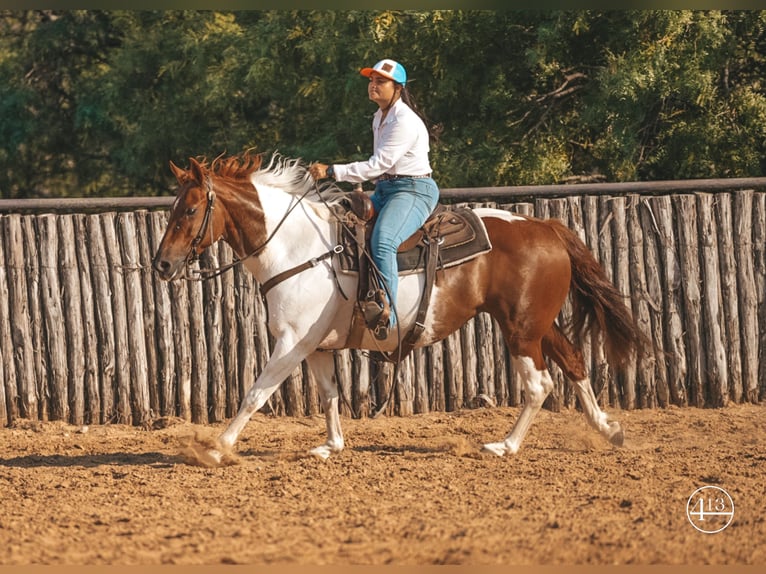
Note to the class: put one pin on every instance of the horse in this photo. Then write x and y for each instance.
(279, 223)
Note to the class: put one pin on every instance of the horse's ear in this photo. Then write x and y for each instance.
(197, 172)
(178, 172)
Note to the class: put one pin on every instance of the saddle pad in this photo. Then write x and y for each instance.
(460, 233)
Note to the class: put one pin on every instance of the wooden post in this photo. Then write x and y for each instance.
(72, 303)
(179, 298)
(469, 360)
(229, 342)
(712, 305)
(674, 360)
(36, 321)
(92, 377)
(645, 224)
(405, 392)
(646, 391)
(436, 377)
(420, 381)
(199, 362)
(759, 271)
(730, 328)
(21, 372)
(136, 335)
(360, 390)
(485, 355)
(606, 253)
(344, 380)
(8, 386)
(689, 253)
(621, 246)
(54, 321)
(453, 371)
(246, 295)
(164, 328)
(146, 273)
(105, 332)
(212, 293)
(599, 368)
(747, 292)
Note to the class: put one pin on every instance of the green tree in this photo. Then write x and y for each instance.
(97, 102)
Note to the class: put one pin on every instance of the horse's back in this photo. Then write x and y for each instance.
(523, 240)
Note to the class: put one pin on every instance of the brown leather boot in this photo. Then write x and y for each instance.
(383, 324)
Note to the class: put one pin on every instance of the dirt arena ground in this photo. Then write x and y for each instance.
(407, 491)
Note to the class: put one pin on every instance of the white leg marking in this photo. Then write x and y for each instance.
(322, 365)
(597, 418)
(286, 356)
(537, 385)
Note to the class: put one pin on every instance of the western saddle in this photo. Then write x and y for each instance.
(449, 237)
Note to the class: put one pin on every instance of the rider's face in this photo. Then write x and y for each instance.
(381, 90)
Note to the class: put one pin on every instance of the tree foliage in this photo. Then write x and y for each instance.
(97, 102)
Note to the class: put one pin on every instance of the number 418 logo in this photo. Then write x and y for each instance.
(710, 509)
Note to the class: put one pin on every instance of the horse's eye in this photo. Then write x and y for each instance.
(191, 211)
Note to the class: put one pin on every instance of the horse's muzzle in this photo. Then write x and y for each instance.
(166, 269)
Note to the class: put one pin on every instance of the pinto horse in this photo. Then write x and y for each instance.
(277, 219)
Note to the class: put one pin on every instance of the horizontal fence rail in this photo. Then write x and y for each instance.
(89, 334)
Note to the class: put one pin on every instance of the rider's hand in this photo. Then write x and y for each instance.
(318, 170)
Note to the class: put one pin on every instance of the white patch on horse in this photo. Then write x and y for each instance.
(499, 214)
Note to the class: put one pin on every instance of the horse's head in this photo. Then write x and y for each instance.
(192, 226)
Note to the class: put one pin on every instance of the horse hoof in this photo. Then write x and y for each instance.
(497, 448)
(321, 452)
(618, 438)
(214, 458)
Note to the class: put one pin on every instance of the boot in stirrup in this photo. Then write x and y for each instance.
(380, 330)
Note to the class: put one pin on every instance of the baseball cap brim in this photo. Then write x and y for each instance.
(367, 72)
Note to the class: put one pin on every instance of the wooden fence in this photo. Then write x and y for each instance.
(89, 334)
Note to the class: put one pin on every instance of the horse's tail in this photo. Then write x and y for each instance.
(597, 305)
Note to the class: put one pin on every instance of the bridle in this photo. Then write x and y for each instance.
(205, 274)
(206, 218)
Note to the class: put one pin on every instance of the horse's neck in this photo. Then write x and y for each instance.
(292, 239)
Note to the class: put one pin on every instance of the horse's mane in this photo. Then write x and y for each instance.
(291, 175)
(236, 168)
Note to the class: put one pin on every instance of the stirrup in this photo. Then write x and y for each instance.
(381, 331)
(382, 326)
(376, 309)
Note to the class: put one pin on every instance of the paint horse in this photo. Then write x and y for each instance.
(276, 219)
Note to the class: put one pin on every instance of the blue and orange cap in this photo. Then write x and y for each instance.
(388, 69)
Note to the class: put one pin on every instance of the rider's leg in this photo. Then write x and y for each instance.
(402, 205)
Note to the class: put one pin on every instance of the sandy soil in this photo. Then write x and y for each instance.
(414, 490)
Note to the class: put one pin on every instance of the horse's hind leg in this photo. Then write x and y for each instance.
(558, 348)
(322, 365)
(537, 382)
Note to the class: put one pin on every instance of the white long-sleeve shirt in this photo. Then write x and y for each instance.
(400, 147)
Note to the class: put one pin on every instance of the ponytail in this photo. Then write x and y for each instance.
(434, 130)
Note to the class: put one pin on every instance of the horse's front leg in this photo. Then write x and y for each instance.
(322, 365)
(285, 358)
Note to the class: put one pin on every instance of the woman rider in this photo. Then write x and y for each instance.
(405, 194)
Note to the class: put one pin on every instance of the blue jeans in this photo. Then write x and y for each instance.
(402, 206)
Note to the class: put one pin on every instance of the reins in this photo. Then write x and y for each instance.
(213, 273)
